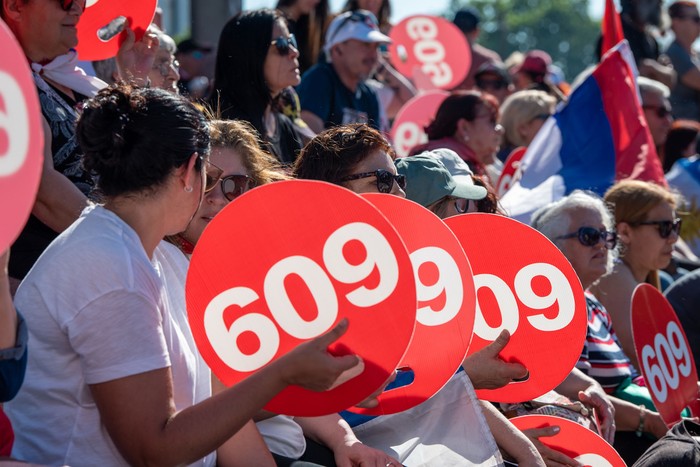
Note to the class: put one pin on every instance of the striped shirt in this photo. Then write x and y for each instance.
(603, 358)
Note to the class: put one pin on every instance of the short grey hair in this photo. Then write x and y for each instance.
(651, 86)
(554, 219)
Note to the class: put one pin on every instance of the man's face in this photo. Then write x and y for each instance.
(657, 110)
(687, 25)
(356, 58)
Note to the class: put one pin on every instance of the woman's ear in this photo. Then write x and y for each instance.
(624, 232)
(189, 176)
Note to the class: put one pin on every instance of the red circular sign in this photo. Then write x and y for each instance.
(573, 440)
(282, 264)
(510, 173)
(96, 30)
(21, 139)
(663, 353)
(523, 284)
(409, 125)
(432, 46)
(446, 301)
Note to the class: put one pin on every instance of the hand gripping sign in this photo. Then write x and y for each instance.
(446, 302)
(408, 129)
(283, 264)
(523, 284)
(432, 46)
(574, 440)
(663, 354)
(100, 26)
(21, 139)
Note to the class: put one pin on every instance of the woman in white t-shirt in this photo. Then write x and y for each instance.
(106, 384)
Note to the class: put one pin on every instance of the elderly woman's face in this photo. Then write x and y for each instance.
(644, 246)
(589, 262)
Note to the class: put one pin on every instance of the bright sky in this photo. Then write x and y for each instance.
(404, 8)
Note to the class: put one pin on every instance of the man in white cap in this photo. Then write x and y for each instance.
(336, 92)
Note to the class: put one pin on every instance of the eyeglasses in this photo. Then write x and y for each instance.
(385, 179)
(461, 205)
(590, 236)
(659, 111)
(164, 68)
(212, 174)
(665, 227)
(66, 5)
(495, 84)
(284, 44)
(232, 186)
(356, 17)
(694, 18)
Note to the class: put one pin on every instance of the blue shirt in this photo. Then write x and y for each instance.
(322, 93)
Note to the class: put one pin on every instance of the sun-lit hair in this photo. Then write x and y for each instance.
(241, 137)
(520, 108)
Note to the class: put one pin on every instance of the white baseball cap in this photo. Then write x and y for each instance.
(359, 24)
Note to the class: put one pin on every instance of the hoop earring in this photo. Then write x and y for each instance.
(188, 189)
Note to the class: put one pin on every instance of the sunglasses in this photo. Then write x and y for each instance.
(212, 174)
(461, 205)
(494, 84)
(590, 236)
(284, 44)
(66, 5)
(385, 179)
(695, 19)
(665, 227)
(232, 186)
(356, 17)
(661, 112)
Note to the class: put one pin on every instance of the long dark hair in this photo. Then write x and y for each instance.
(239, 80)
(133, 138)
(459, 104)
(310, 31)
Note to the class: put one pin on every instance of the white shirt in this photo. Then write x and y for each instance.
(97, 310)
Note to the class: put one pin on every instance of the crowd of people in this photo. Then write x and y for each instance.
(98, 363)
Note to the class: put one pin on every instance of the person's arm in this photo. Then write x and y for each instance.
(335, 433)
(662, 73)
(486, 370)
(402, 87)
(628, 417)
(615, 293)
(247, 447)
(139, 413)
(584, 388)
(510, 439)
(13, 339)
(59, 202)
(8, 315)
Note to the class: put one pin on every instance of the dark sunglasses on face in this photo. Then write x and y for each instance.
(590, 236)
(232, 186)
(665, 227)
(66, 5)
(495, 84)
(284, 44)
(385, 179)
(661, 112)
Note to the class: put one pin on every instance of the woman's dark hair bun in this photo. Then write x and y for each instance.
(132, 138)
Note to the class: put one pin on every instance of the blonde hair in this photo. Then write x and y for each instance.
(631, 201)
(520, 108)
(241, 137)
